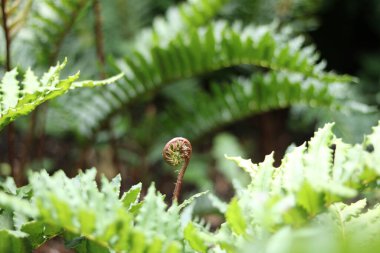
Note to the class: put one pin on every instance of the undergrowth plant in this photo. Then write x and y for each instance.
(313, 202)
(186, 72)
(21, 97)
(190, 71)
(322, 198)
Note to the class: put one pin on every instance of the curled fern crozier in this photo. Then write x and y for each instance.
(176, 151)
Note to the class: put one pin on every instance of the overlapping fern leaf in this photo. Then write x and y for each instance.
(94, 220)
(301, 199)
(11, 237)
(20, 97)
(199, 51)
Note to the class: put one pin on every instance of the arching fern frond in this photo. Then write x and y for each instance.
(200, 51)
(19, 97)
(245, 97)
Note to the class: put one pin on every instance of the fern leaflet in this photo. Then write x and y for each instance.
(18, 98)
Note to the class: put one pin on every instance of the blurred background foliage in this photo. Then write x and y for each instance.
(94, 35)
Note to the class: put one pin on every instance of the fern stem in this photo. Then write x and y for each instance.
(10, 130)
(100, 55)
(99, 38)
(178, 184)
(178, 150)
(53, 55)
(6, 35)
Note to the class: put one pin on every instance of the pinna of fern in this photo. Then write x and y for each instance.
(21, 97)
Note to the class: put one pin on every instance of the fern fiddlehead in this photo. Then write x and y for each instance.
(176, 151)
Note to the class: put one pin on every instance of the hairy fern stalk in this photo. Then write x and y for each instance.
(296, 207)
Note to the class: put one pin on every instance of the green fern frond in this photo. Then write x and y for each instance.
(153, 219)
(200, 51)
(309, 180)
(20, 97)
(356, 224)
(316, 166)
(297, 202)
(244, 97)
(367, 220)
(11, 221)
(92, 83)
(282, 204)
(343, 214)
(77, 209)
(306, 174)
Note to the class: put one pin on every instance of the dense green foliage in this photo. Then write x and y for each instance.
(183, 46)
(204, 50)
(179, 70)
(192, 63)
(291, 208)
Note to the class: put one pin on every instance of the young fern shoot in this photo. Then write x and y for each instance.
(177, 151)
